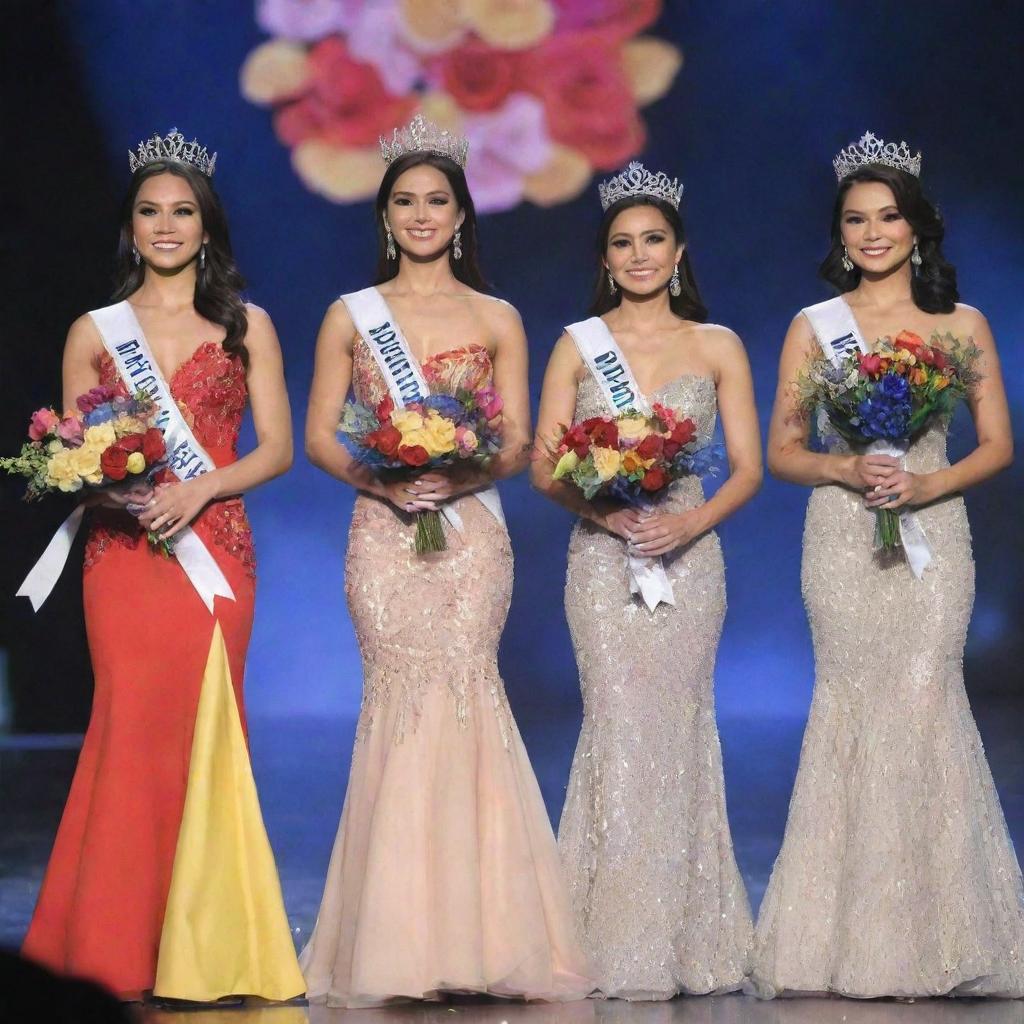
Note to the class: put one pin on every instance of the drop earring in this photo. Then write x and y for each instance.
(611, 283)
(674, 287)
(391, 251)
(847, 262)
(202, 256)
(457, 245)
(136, 255)
(915, 258)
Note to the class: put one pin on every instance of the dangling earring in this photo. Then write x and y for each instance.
(915, 258)
(391, 251)
(847, 262)
(674, 287)
(457, 245)
(611, 283)
(202, 256)
(136, 255)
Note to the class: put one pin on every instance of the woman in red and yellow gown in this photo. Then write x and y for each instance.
(161, 878)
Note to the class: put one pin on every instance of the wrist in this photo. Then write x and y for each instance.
(932, 486)
(839, 468)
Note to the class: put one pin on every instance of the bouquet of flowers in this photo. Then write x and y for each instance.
(630, 458)
(885, 398)
(442, 430)
(107, 442)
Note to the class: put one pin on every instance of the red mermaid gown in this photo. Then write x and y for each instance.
(101, 909)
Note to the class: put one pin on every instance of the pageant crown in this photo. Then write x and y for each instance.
(872, 150)
(636, 180)
(173, 147)
(423, 136)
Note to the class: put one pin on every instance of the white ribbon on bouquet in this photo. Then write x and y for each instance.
(124, 340)
(838, 335)
(406, 383)
(607, 364)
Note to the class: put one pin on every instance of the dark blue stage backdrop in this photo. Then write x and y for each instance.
(767, 94)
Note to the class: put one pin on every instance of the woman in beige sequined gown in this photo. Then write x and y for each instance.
(445, 874)
(644, 834)
(897, 876)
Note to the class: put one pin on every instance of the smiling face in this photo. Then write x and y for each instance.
(422, 212)
(166, 223)
(642, 250)
(878, 238)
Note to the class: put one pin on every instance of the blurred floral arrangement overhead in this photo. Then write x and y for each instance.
(547, 91)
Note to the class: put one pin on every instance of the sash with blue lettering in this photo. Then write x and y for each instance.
(378, 327)
(838, 335)
(607, 364)
(124, 341)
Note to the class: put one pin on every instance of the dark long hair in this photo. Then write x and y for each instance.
(933, 283)
(218, 284)
(687, 304)
(466, 269)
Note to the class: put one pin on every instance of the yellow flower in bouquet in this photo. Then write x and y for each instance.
(405, 421)
(61, 473)
(633, 428)
(606, 462)
(100, 437)
(136, 462)
(631, 462)
(125, 425)
(86, 463)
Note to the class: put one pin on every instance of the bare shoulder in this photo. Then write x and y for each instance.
(718, 344)
(501, 316)
(969, 320)
(84, 337)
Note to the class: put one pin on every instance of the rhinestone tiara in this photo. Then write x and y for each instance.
(423, 136)
(172, 147)
(872, 150)
(636, 180)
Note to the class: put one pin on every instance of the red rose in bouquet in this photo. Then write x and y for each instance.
(413, 455)
(114, 462)
(654, 479)
(130, 443)
(651, 446)
(153, 446)
(386, 440)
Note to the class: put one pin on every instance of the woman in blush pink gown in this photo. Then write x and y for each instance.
(445, 875)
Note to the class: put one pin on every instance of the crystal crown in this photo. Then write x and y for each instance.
(873, 150)
(172, 147)
(636, 180)
(423, 136)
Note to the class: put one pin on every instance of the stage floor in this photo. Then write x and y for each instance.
(301, 768)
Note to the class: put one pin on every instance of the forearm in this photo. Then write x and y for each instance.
(743, 483)
(988, 459)
(797, 465)
(566, 495)
(334, 459)
(268, 460)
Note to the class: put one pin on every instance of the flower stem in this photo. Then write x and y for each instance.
(887, 529)
(429, 533)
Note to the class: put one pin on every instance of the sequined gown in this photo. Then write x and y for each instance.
(896, 876)
(445, 873)
(644, 834)
(101, 909)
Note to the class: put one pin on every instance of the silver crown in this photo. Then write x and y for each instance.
(423, 136)
(636, 180)
(872, 150)
(172, 147)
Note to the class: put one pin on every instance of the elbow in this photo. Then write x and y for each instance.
(315, 451)
(776, 461)
(1006, 454)
(540, 477)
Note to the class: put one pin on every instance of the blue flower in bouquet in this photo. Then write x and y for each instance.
(101, 414)
(447, 406)
(622, 489)
(886, 412)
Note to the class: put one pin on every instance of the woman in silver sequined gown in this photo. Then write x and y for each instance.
(896, 876)
(644, 834)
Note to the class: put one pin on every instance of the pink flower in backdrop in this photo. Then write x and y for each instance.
(588, 99)
(478, 77)
(624, 17)
(306, 20)
(345, 102)
(375, 38)
(506, 144)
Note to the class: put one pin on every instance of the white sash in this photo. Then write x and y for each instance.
(378, 327)
(607, 364)
(838, 335)
(126, 344)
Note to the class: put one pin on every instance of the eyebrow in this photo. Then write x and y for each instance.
(881, 209)
(176, 202)
(649, 231)
(435, 192)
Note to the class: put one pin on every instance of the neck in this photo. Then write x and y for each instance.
(170, 291)
(424, 277)
(885, 290)
(643, 312)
